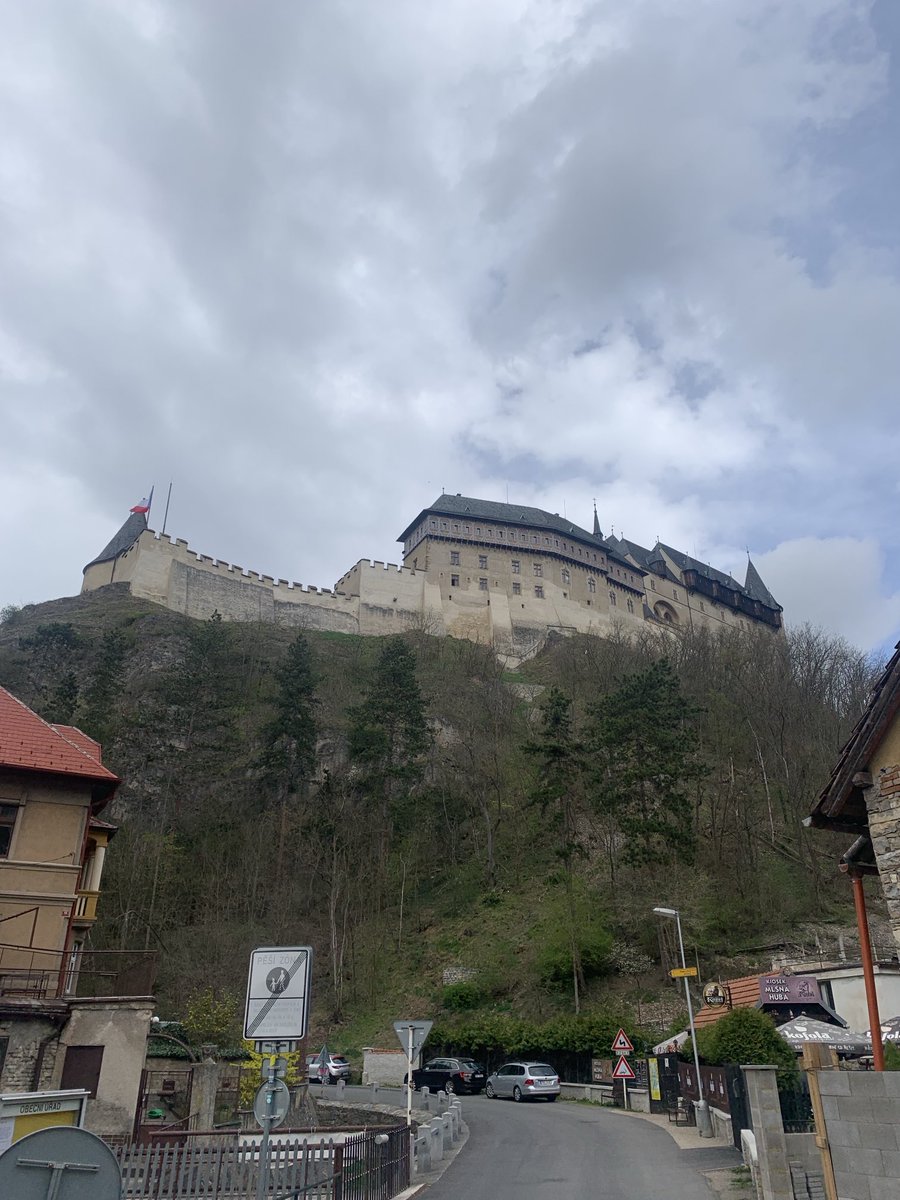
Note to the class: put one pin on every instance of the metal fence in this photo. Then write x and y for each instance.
(369, 1166)
(796, 1107)
(372, 1166)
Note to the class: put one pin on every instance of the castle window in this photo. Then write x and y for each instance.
(566, 577)
(546, 541)
(534, 538)
(556, 541)
(8, 814)
(539, 591)
(653, 585)
(516, 566)
(500, 533)
(454, 558)
(454, 581)
(478, 531)
(443, 524)
(538, 568)
(433, 524)
(455, 527)
(592, 585)
(612, 599)
(675, 592)
(482, 584)
(482, 561)
(702, 609)
(517, 589)
(466, 529)
(630, 606)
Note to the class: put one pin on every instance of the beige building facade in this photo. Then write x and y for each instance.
(70, 1017)
(501, 574)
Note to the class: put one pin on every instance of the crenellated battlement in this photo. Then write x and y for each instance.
(448, 590)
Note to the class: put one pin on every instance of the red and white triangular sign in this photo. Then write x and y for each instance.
(622, 1043)
(622, 1069)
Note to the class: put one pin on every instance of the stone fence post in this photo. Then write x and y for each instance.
(768, 1127)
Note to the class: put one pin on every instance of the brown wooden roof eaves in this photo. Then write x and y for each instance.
(841, 803)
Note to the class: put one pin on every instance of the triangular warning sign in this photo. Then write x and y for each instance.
(622, 1069)
(622, 1043)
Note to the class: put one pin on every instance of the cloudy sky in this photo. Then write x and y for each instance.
(315, 260)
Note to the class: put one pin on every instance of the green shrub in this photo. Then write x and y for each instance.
(748, 1036)
(461, 997)
(891, 1056)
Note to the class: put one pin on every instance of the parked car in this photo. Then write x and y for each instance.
(335, 1067)
(523, 1081)
(450, 1075)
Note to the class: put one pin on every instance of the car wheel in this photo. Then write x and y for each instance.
(489, 1092)
(551, 1098)
(517, 1094)
(449, 1087)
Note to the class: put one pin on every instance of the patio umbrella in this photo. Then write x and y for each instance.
(803, 1030)
(890, 1030)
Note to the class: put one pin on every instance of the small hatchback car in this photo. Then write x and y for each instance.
(450, 1075)
(523, 1081)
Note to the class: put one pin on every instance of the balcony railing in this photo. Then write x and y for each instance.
(33, 973)
(86, 905)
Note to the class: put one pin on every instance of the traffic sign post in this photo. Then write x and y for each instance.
(623, 1070)
(411, 1036)
(277, 1008)
(622, 1043)
(270, 1107)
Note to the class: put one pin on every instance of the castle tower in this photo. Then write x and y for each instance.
(102, 569)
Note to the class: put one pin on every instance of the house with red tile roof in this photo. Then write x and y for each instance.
(70, 1016)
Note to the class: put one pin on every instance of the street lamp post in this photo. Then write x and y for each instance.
(704, 1123)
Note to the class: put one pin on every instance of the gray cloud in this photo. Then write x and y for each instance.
(317, 261)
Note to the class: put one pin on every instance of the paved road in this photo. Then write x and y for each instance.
(567, 1151)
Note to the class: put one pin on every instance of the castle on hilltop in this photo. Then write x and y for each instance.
(502, 574)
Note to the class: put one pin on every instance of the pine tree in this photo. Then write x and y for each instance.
(288, 759)
(560, 769)
(644, 759)
(389, 736)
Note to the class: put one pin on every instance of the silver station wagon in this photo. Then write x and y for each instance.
(523, 1081)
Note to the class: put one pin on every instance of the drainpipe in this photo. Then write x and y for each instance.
(865, 946)
(39, 1058)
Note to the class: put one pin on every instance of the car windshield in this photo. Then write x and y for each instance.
(338, 1058)
(542, 1069)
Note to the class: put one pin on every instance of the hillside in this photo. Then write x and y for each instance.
(428, 812)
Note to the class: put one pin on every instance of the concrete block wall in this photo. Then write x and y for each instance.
(862, 1118)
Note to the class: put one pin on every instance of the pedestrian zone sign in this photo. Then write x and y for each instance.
(278, 993)
(622, 1069)
(622, 1044)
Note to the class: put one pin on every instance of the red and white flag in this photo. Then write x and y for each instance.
(144, 506)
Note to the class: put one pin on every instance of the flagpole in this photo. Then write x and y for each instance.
(168, 498)
(150, 503)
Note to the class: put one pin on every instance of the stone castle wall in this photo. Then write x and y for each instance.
(374, 598)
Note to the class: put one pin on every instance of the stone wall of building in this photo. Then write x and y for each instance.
(32, 1052)
(883, 804)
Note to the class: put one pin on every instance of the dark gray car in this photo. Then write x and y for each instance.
(523, 1081)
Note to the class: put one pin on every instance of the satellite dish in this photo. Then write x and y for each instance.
(63, 1162)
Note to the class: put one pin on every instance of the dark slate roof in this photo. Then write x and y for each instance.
(511, 514)
(132, 529)
(648, 560)
(686, 563)
(755, 587)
